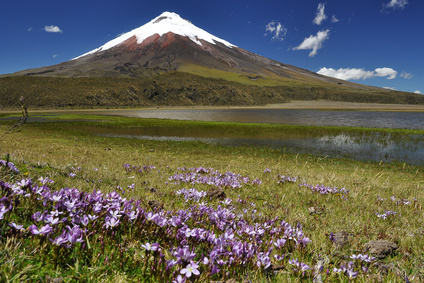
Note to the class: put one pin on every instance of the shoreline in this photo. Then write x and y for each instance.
(295, 104)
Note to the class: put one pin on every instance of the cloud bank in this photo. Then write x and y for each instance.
(358, 74)
(314, 42)
(320, 17)
(278, 30)
(52, 29)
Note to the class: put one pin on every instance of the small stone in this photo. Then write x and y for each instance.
(315, 210)
(217, 193)
(380, 248)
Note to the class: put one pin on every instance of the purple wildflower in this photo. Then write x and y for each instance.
(16, 226)
(190, 269)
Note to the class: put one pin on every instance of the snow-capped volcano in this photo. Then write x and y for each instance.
(166, 22)
(171, 43)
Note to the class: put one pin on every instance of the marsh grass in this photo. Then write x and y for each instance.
(55, 150)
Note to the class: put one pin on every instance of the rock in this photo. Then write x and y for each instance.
(277, 267)
(315, 210)
(380, 248)
(152, 190)
(155, 204)
(340, 239)
(216, 193)
(383, 268)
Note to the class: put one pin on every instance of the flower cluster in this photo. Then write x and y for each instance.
(139, 169)
(212, 177)
(395, 200)
(10, 165)
(201, 240)
(286, 179)
(191, 194)
(324, 190)
(361, 261)
(386, 214)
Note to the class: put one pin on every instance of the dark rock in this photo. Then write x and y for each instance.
(152, 190)
(216, 193)
(380, 248)
(155, 204)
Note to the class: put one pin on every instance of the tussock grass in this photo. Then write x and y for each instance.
(55, 150)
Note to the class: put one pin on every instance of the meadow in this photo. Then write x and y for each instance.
(78, 207)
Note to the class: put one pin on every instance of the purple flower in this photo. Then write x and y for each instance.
(151, 247)
(184, 254)
(352, 274)
(179, 279)
(46, 229)
(215, 270)
(280, 243)
(75, 235)
(60, 240)
(190, 269)
(111, 222)
(16, 226)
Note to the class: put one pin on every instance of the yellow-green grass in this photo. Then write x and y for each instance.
(51, 149)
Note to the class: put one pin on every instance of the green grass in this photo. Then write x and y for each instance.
(52, 149)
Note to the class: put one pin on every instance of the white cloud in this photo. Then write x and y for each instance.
(389, 88)
(406, 75)
(52, 29)
(314, 42)
(386, 72)
(396, 4)
(29, 29)
(357, 74)
(334, 19)
(277, 29)
(320, 17)
(417, 92)
(55, 55)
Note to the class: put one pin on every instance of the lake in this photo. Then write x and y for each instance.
(375, 146)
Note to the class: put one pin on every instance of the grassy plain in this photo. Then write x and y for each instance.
(57, 147)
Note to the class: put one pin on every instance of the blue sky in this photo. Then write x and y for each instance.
(373, 42)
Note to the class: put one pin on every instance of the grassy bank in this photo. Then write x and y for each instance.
(263, 188)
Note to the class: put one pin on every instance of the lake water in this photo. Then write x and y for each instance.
(375, 146)
(371, 119)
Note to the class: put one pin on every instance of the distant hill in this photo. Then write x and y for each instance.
(169, 61)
